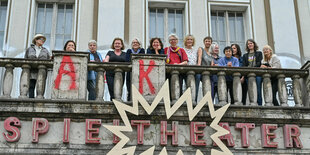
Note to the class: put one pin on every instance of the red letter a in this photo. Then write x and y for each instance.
(66, 60)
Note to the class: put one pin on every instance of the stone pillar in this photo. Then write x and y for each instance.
(237, 89)
(24, 81)
(222, 88)
(70, 75)
(175, 85)
(282, 90)
(206, 83)
(267, 90)
(148, 74)
(252, 89)
(118, 84)
(297, 91)
(41, 81)
(190, 83)
(8, 81)
(100, 84)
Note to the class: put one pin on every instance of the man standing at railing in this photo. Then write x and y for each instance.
(36, 51)
(94, 56)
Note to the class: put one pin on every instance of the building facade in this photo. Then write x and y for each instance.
(284, 26)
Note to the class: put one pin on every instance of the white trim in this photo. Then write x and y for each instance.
(208, 19)
(143, 25)
(33, 20)
(184, 3)
(190, 17)
(77, 16)
(231, 1)
(248, 20)
(253, 30)
(5, 36)
(186, 20)
(147, 10)
(309, 6)
(32, 23)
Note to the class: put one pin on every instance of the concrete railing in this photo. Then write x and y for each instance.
(300, 78)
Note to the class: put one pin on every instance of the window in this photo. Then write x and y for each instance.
(55, 21)
(164, 21)
(3, 13)
(228, 28)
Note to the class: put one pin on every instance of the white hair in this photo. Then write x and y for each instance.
(92, 42)
(138, 40)
(173, 35)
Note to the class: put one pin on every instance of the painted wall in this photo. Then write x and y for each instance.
(85, 24)
(304, 15)
(285, 32)
(110, 22)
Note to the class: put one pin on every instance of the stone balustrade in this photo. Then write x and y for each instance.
(300, 78)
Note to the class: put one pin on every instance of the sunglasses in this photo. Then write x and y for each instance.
(41, 39)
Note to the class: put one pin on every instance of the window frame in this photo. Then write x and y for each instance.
(4, 47)
(244, 8)
(35, 4)
(166, 5)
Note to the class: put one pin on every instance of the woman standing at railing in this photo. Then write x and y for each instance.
(117, 55)
(206, 59)
(238, 54)
(156, 46)
(176, 56)
(253, 59)
(194, 55)
(36, 51)
(215, 55)
(271, 61)
(70, 46)
(135, 49)
(229, 61)
(94, 56)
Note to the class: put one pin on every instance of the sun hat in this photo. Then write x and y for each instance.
(37, 36)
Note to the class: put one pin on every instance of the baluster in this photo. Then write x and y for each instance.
(282, 90)
(267, 90)
(118, 84)
(206, 83)
(41, 81)
(24, 81)
(297, 91)
(252, 89)
(100, 84)
(190, 83)
(8, 81)
(222, 88)
(175, 85)
(237, 89)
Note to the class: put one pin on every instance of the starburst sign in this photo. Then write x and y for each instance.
(165, 95)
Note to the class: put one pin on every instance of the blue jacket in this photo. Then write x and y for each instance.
(223, 62)
(92, 74)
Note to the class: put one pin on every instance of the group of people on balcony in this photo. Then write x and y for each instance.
(175, 55)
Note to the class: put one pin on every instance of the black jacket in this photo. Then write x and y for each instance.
(258, 56)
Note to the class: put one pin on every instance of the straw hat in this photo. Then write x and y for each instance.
(37, 36)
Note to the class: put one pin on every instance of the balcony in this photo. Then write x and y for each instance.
(298, 76)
